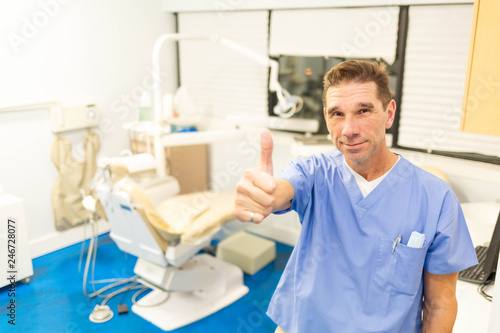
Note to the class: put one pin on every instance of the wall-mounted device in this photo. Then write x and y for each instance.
(72, 118)
(63, 119)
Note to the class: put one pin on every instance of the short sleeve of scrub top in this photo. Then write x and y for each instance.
(444, 255)
(300, 174)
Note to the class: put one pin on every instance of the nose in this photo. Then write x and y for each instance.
(350, 126)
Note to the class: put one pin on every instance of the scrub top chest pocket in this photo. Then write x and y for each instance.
(399, 272)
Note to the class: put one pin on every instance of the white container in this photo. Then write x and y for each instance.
(18, 260)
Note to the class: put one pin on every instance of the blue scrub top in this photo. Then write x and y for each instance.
(342, 275)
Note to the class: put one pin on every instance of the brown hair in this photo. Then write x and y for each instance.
(357, 71)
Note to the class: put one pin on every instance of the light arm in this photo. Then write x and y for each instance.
(286, 107)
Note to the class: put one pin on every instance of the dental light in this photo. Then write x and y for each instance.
(287, 104)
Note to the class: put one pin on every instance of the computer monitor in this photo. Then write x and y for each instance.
(487, 256)
(491, 261)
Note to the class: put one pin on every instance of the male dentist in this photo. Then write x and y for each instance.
(382, 240)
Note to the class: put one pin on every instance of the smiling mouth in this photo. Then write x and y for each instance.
(353, 145)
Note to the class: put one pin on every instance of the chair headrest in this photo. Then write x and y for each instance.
(436, 172)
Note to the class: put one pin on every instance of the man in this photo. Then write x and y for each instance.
(381, 241)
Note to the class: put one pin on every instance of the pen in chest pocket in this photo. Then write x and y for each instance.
(396, 241)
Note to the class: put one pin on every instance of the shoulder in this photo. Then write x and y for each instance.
(431, 181)
(321, 161)
(316, 166)
(422, 175)
(434, 188)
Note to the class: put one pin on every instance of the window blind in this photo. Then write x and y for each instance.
(341, 32)
(221, 81)
(434, 81)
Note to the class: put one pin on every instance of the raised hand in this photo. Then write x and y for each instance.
(255, 191)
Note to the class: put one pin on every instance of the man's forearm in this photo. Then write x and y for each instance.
(283, 195)
(439, 316)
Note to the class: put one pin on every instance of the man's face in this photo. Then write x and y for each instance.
(356, 119)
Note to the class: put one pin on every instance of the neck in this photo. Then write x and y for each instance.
(376, 165)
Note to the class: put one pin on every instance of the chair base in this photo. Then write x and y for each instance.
(183, 308)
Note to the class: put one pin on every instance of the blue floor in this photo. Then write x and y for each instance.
(54, 302)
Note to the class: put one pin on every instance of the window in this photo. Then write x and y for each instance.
(433, 85)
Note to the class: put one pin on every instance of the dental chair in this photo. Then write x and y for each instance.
(167, 238)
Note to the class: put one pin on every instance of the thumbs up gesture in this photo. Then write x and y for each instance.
(255, 191)
(266, 152)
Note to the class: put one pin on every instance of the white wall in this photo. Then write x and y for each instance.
(74, 52)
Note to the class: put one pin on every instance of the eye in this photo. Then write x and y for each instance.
(336, 114)
(362, 111)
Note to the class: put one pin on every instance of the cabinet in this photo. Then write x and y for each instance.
(12, 208)
(481, 105)
(186, 163)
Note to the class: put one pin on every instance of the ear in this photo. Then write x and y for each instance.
(326, 119)
(391, 112)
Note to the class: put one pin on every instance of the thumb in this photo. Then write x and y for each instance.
(266, 151)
